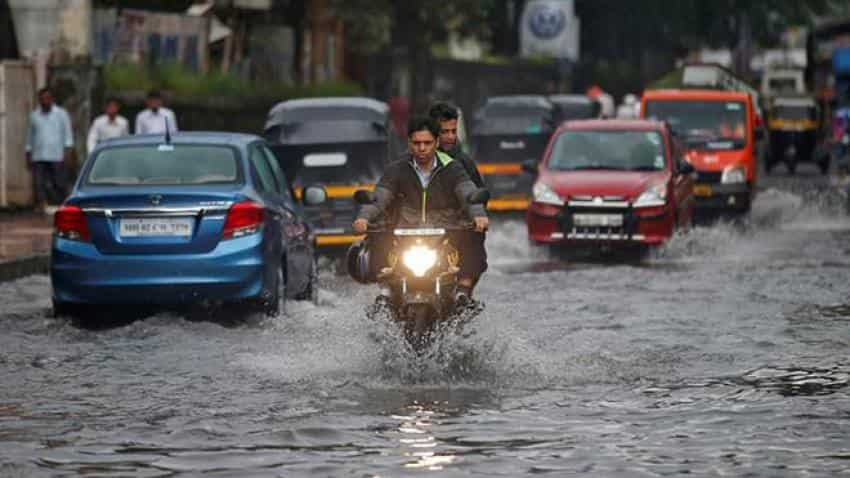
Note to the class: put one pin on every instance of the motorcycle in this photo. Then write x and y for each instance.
(421, 275)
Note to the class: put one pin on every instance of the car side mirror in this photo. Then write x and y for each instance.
(479, 196)
(314, 195)
(362, 197)
(686, 167)
(530, 166)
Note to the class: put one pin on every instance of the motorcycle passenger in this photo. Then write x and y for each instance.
(429, 189)
(447, 116)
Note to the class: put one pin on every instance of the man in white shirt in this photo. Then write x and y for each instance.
(50, 143)
(108, 126)
(156, 119)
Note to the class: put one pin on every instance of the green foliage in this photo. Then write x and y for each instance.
(369, 24)
(671, 80)
(179, 81)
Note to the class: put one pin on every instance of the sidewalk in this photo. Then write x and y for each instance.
(24, 244)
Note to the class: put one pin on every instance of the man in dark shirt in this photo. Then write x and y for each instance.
(429, 188)
(448, 118)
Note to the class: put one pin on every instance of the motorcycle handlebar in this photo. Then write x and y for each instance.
(468, 228)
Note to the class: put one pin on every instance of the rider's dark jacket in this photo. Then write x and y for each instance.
(442, 203)
(468, 164)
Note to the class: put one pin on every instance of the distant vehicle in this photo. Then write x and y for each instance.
(574, 107)
(340, 143)
(507, 131)
(202, 217)
(614, 183)
(718, 128)
(713, 76)
(783, 81)
(795, 125)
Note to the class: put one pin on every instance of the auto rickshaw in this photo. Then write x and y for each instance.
(575, 107)
(507, 131)
(794, 123)
(342, 144)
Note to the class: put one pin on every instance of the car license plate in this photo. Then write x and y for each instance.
(702, 190)
(598, 220)
(154, 227)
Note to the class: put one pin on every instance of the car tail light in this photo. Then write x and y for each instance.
(243, 219)
(70, 223)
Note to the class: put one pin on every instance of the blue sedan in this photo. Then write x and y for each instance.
(191, 218)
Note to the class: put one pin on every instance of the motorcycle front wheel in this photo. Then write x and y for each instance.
(418, 326)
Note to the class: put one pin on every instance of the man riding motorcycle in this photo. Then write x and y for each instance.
(429, 189)
(447, 116)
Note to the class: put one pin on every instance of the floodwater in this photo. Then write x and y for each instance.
(725, 353)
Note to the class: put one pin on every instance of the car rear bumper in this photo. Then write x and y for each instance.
(233, 271)
(723, 197)
(650, 227)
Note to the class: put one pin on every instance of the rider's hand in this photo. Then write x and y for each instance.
(481, 224)
(360, 226)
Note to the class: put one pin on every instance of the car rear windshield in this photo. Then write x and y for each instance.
(498, 119)
(608, 150)
(704, 124)
(786, 112)
(163, 165)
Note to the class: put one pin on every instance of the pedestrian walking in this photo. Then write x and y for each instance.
(108, 125)
(50, 143)
(155, 119)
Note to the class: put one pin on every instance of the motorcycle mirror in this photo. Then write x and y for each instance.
(362, 196)
(480, 196)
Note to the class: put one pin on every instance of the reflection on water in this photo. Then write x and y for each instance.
(416, 440)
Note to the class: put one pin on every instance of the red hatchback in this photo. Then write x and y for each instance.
(610, 183)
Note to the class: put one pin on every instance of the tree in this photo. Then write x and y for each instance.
(643, 38)
(410, 27)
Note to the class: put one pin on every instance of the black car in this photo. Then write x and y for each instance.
(574, 107)
(507, 131)
(342, 144)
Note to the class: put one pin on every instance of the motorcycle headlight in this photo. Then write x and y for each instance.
(734, 175)
(653, 196)
(544, 194)
(419, 259)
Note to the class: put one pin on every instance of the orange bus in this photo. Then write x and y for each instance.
(718, 129)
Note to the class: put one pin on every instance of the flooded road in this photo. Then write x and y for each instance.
(726, 353)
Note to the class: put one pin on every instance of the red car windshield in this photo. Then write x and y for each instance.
(611, 150)
(703, 124)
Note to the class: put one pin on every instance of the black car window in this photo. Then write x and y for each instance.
(271, 159)
(264, 171)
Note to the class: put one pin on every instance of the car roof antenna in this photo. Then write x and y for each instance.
(167, 131)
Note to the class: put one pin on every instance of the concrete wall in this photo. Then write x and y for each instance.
(141, 36)
(17, 99)
(53, 25)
